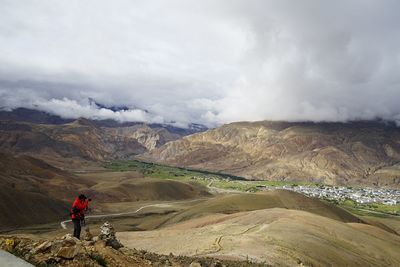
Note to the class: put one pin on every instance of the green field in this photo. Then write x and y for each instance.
(253, 186)
(166, 172)
(371, 209)
(231, 182)
(220, 180)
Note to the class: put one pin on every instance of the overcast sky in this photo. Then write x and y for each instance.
(204, 61)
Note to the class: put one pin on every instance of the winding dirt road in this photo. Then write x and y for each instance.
(157, 205)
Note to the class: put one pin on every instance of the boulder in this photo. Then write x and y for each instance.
(114, 243)
(69, 237)
(69, 252)
(42, 247)
(87, 236)
(66, 246)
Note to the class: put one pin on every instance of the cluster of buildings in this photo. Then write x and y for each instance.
(363, 195)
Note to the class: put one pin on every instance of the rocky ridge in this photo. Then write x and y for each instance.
(102, 250)
(356, 153)
(81, 139)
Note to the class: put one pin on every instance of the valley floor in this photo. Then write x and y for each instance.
(164, 210)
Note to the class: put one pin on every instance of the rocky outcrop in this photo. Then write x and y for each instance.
(148, 137)
(102, 250)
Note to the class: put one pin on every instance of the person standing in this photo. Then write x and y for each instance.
(79, 206)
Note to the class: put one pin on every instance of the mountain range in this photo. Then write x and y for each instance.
(50, 137)
(353, 153)
(45, 161)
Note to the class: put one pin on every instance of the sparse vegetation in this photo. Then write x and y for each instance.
(253, 186)
(372, 209)
(228, 182)
(99, 259)
(220, 180)
(162, 171)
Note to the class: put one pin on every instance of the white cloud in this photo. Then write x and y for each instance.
(68, 108)
(203, 61)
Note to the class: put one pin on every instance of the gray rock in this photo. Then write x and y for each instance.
(7, 259)
(107, 234)
(114, 243)
(107, 230)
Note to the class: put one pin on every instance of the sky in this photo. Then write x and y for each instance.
(209, 62)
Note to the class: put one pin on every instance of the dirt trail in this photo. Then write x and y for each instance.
(157, 205)
(274, 236)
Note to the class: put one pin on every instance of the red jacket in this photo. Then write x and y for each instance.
(78, 208)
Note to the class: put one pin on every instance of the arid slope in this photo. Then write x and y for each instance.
(227, 204)
(80, 139)
(34, 192)
(279, 237)
(365, 153)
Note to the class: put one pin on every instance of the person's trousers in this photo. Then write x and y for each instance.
(77, 228)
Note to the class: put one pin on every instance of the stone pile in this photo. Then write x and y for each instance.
(107, 233)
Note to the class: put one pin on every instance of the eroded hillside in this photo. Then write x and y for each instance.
(81, 139)
(365, 153)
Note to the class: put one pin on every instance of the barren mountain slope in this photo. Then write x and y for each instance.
(145, 189)
(334, 153)
(278, 237)
(232, 203)
(34, 192)
(81, 139)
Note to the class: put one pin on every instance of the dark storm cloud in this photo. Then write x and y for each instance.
(203, 61)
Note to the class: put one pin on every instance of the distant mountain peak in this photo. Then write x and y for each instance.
(112, 107)
(85, 122)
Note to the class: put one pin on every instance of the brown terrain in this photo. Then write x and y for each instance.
(44, 157)
(278, 228)
(81, 143)
(43, 166)
(356, 153)
(81, 139)
(276, 237)
(232, 203)
(34, 192)
(99, 251)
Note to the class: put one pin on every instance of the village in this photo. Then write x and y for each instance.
(360, 195)
(364, 195)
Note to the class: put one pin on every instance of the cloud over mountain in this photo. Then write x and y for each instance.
(203, 61)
